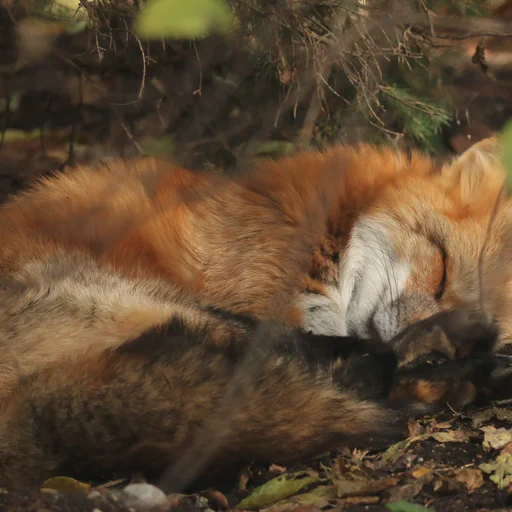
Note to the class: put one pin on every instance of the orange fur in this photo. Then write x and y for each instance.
(236, 243)
(115, 281)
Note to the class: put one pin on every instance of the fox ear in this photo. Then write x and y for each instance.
(478, 172)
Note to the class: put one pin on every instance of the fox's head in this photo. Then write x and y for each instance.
(430, 238)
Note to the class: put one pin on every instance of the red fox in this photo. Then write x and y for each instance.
(132, 292)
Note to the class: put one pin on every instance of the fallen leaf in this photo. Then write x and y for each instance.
(506, 449)
(405, 492)
(500, 470)
(363, 486)
(358, 500)
(446, 485)
(287, 506)
(395, 451)
(500, 413)
(503, 414)
(442, 425)
(358, 455)
(404, 506)
(482, 416)
(64, 484)
(421, 472)
(471, 478)
(496, 438)
(452, 436)
(278, 489)
(318, 497)
(415, 428)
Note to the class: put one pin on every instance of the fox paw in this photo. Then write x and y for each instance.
(457, 382)
(450, 335)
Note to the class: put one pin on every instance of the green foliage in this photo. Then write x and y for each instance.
(184, 18)
(158, 146)
(60, 9)
(277, 489)
(70, 12)
(404, 506)
(461, 7)
(500, 470)
(421, 118)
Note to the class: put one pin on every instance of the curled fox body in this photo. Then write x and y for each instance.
(131, 293)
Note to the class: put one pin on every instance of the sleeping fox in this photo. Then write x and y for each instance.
(142, 305)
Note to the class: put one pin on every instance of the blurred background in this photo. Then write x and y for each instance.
(218, 83)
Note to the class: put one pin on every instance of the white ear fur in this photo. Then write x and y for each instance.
(479, 170)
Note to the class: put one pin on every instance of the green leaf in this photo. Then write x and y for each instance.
(60, 9)
(11, 135)
(500, 470)
(160, 146)
(277, 489)
(63, 484)
(275, 148)
(183, 18)
(506, 155)
(405, 506)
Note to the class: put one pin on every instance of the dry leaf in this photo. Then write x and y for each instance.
(421, 472)
(406, 492)
(358, 500)
(452, 436)
(363, 486)
(496, 438)
(446, 485)
(503, 414)
(319, 497)
(482, 416)
(507, 449)
(471, 478)
(415, 428)
(442, 425)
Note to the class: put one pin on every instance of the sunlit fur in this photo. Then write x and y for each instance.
(352, 235)
(348, 241)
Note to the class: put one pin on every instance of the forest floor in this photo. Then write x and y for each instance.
(451, 463)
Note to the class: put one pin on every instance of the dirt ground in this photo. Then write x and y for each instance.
(445, 466)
